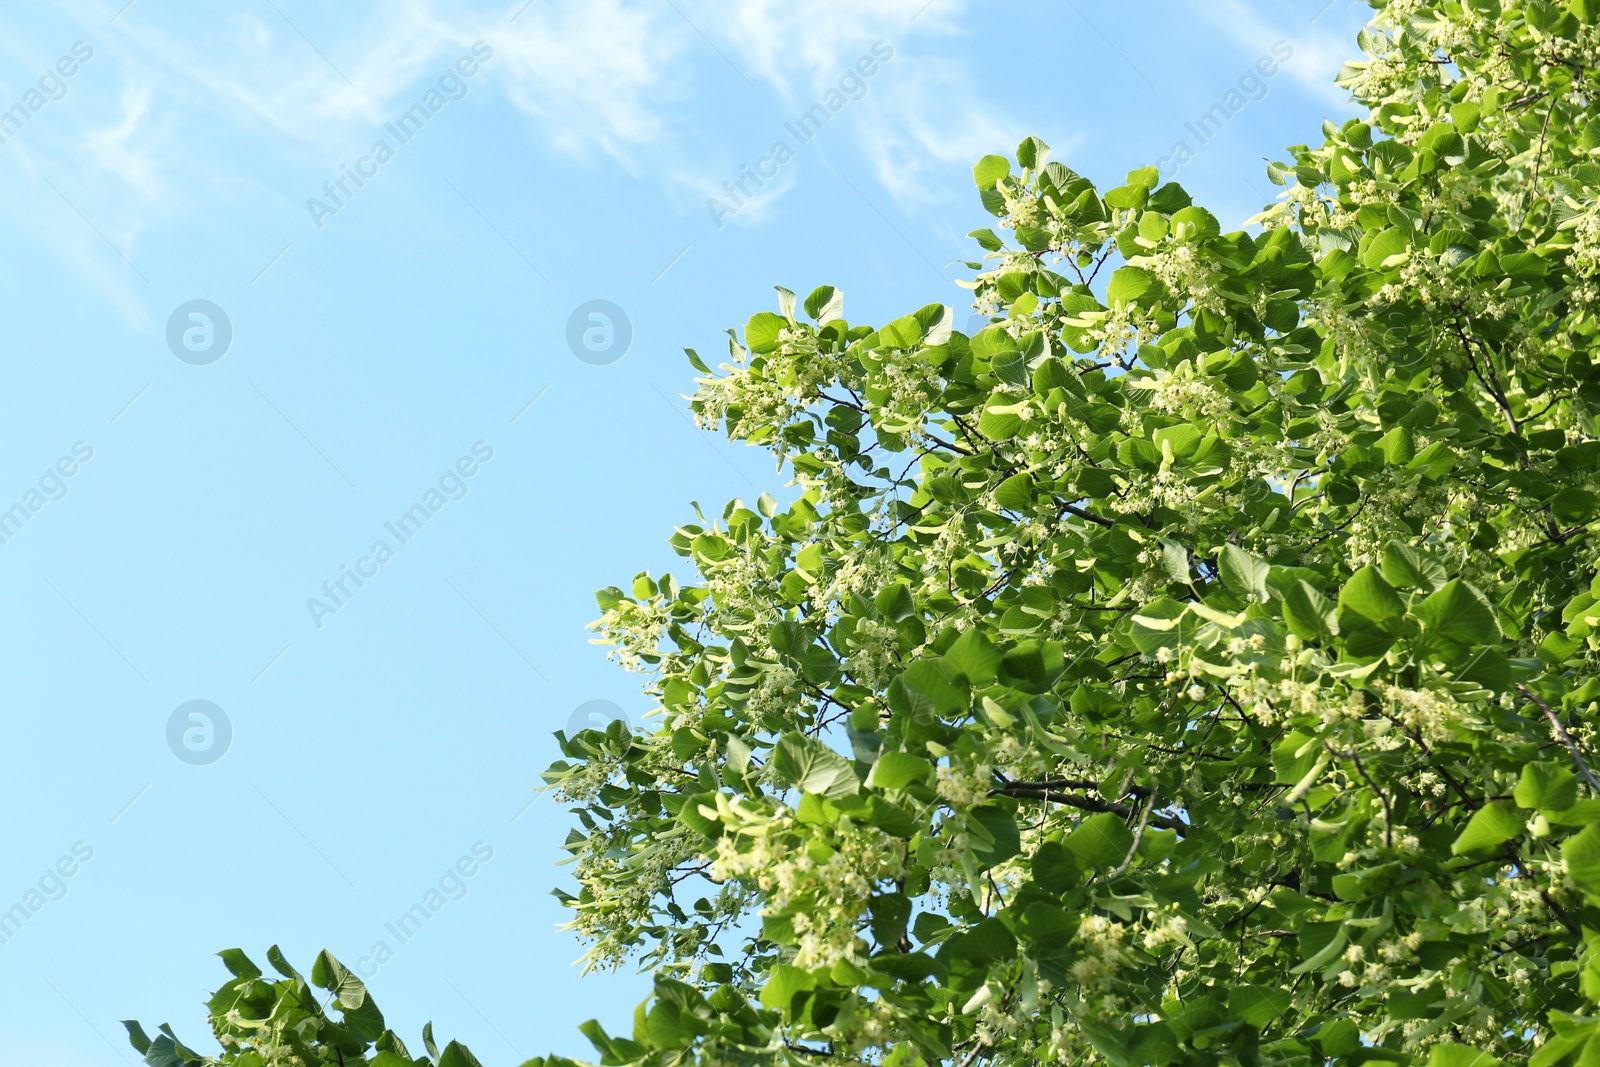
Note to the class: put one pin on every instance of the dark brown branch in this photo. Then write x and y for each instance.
(1055, 796)
(1388, 823)
(1416, 735)
(1565, 738)
(1073, 509)
(1138, 836)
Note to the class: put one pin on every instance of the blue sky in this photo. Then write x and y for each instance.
(407, 335)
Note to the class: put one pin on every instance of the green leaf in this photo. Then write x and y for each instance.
(239, 964)
(1589, 136)
(1293, 756)
(891, 912)
(789, 639)
(1128, 284)
(998, 425)
(1309, 614)
(1320, 945)
(1163, 623)
(1370, 597)
(1582, 853)
(825, 304)
(1244, 573)
(1434, 461)
(1398, 446)
(761, 332)
(784, 983)
(1016, 493)
(1548, 786)
(1100, 841)
(947, 694)
(1195, 222)
(786, 303)
(696, 362)
(281, 964)
(904, 332)
(1384, 247)
(1258, 1006)
(1184, 439)
(891, 818)
(1127, 197)
(1450, 1054)
(972, 657)
(163, 1053)
(1490, 827)
(896, 770)
(937, 324)
(1046, 931)
(1339, 1037)
(971, 954)
(1032, 153)
(1459, 612)
(993, 832)
(987, 240)
(1407, 568)
(894, 602)
(1175, 561)
(456, 1055)
(1055, 869)
(136, 1035)
(989, 170)
(1145, 176)
(813, 767)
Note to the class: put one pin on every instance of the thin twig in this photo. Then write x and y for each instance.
(1138, 835)
(1416, 735)
(1082, 513)
(1564, 737)
(1054, 796)
(973, 1055)
(1388, 824)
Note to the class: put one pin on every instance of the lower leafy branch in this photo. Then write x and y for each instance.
(1051, 792)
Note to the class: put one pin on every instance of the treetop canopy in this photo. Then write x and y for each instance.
(1195, 665)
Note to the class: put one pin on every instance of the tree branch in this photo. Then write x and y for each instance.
(1565, 738)
(1055, 796)
(1138, 836)
(1388, 823)
(1073, 509)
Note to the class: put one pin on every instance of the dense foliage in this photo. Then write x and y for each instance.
(1195, 665)
(284, 1022)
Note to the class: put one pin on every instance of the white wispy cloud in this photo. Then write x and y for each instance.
(1320, 47)
(802, 46)
(127, 147)
(932, 121)
(602, 74)
(921, 112)
(202, 101)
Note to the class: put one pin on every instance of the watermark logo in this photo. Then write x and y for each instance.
(452, 485)
(594, 715)
(452, 885)
(599, 332)
(199, 732)
(52, 485)
(1252, 86)
(52, 87)
(852, 85)
(451, 86)
(199, 332)
(52, 885)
